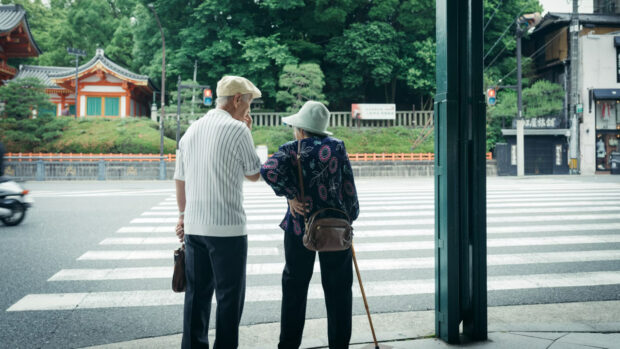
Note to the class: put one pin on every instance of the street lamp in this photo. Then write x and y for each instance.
(77, 53)
(163, 82)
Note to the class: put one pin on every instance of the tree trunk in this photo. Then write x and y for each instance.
(394, 90)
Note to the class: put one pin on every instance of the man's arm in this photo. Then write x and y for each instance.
(180, 228)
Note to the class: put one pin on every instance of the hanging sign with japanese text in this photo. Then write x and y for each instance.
(543, 122)
(373, 111)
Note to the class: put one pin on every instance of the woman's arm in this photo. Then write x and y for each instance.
(279, 174)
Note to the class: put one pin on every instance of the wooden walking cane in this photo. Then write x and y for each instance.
(359, 279)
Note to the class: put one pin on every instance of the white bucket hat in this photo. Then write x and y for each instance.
(230, 85)
(312, 117)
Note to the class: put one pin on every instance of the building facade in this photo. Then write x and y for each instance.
(599, 77)
(105, 89)
(599, 81)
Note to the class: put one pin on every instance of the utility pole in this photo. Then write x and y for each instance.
(574, 86)
(77, 53)
(193, 91)
(520, 121)
(162, 165)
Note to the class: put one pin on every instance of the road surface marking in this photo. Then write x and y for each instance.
(160, 254)
(364, 264)
(98, 300)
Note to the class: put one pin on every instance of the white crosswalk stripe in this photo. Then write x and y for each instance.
(547, 223)
(95, 300)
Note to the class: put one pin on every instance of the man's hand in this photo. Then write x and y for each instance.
(180, 229)
(247, 119)
(295, 206)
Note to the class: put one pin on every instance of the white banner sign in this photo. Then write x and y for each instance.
(373, 111)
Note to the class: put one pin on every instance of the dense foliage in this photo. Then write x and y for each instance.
(543, 98)
(366, 51)
(67, 135)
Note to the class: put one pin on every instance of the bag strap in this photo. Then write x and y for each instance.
(303, 197)
(315, 214)
(301, 177)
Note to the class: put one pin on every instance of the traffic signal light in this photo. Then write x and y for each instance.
(491, 96)
(207, 97)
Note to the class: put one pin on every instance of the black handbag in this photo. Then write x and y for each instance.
(326, 233)
(178, 275)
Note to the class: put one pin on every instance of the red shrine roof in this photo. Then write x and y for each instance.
(16, 40)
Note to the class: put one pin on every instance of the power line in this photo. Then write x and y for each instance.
(496, 57)
(503, 34)
(536, 53)
(493, 15)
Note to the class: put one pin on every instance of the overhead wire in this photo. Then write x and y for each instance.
(536, 53)
(496, 57)
(493, 15)
(502, 36)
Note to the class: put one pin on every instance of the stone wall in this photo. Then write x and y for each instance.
(40, 170)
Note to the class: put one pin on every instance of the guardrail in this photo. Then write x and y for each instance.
(344, 119)
(365, 157)
(50, 166)
(90, 157)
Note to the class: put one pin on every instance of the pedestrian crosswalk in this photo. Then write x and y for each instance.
(544, 235)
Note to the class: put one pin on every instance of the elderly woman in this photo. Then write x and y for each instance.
(328, 183)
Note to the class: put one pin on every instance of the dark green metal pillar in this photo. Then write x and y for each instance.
(460, 173)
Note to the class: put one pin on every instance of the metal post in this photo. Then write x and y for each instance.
(77, 53)
(101, 170)
(40, 176)
(76, 85)
(162, 169)
(520, 121)
(194, 91)
(460, 173)
(163, 83)
(574, 86)
(178, 111)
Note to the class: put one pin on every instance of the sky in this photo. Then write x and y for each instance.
(585, 6)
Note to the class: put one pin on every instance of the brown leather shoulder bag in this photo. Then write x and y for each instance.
(327, 233)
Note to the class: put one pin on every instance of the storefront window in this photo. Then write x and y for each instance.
(607, 132)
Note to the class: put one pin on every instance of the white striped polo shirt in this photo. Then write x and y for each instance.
(214, 155)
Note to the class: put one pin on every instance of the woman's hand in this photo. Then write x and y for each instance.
(295, 206)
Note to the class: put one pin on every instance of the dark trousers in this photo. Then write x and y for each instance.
(214, 264)
(336, 277)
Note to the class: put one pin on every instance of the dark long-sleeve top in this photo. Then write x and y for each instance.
(327, 176)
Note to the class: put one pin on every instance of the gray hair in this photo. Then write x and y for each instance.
(224, 100)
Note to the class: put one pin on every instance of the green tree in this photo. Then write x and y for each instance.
(22, 96)
(543, 98)
(120, 47)
(301, 83)
(499, 38)
(366, 53)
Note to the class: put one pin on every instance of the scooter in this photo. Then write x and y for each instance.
(14, 201)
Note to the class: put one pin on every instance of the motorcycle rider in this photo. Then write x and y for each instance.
(2, 152)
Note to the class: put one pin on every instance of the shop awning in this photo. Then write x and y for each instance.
(538, 132)
(606, 93)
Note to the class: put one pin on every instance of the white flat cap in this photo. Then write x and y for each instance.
(230, 85)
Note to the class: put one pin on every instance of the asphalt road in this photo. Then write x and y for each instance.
(551, 240)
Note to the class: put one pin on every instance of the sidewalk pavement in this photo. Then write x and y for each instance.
(555, 326)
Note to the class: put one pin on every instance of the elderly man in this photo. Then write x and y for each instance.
(214, 156)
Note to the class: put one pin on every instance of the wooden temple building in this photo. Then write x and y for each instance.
(15, 39)
(105, 89)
